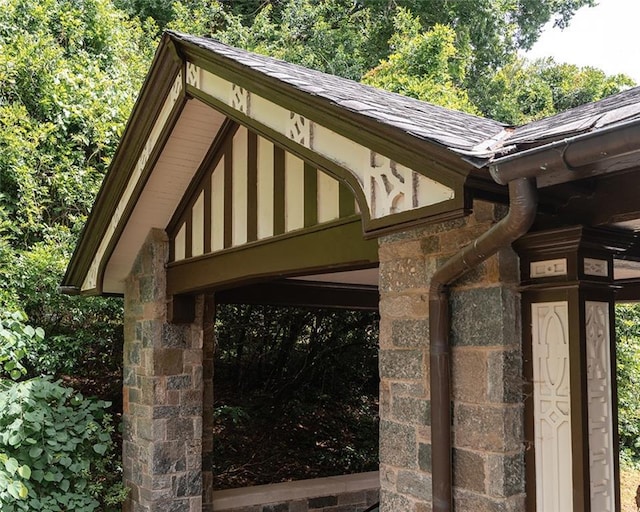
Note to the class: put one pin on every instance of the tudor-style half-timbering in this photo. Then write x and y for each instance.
(387, 186)
(251, 189)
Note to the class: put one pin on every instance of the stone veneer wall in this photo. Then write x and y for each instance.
(486, 371)
(163, 390)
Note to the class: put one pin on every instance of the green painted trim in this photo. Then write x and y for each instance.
(346, 201)
(188, 235)
(207, 211)
(310, 195)
(331, 247)
(252, 186)
(278, 190)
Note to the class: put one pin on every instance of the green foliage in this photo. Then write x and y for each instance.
(56, 450)
(17, 341)
(425, 65)
(523, 91)
(70, 71)
(628, 378)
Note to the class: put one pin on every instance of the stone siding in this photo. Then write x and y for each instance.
(163, 389)
(486, 371)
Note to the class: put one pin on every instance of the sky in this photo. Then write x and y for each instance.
(606, 36)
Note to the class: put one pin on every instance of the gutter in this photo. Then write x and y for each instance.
(518, 171)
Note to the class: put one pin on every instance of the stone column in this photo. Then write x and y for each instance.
(486, 371)
(163, 390)
(568, 302)
(208, 349)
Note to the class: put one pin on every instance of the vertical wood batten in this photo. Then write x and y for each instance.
(265, 189)
(207, 213)
(239, 188)
(188, 242)
(294, 193)
(278, 191)
(347, 202)
(252, 187)
(310, 195)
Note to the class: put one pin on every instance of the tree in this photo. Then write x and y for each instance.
(70, 72)
(523, 91)
(425, 65)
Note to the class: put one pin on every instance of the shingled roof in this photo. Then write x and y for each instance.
(455, 130)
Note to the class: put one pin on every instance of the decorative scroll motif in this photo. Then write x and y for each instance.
(240, 99)
(389, 188)
(548, 268)
(193, 75)
(300, 130)
(600, 407)
(593, 267)
(552, 406)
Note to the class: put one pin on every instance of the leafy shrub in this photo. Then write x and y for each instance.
(56, 450)
(628, 374)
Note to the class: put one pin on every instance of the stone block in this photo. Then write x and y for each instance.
(403, 274)
(401, 250)
(483, 317)
(401, 364)
(410, 333)
(415, 484)
(278, 507)
(179, 381)
(414, 305)
(398, 445)
(414, 411)
(506, 474)
(174, 335)
(168, 457)
(416, 389)
(469, 374)
(505, 377)
(394, 502)
(167, 361)
(424, 457)
(488, 427)
(188, 484)
(322, 502)
(469, 470)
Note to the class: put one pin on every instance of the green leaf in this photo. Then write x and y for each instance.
(11, 465)
(100, 448)
(64, 485)
(24, 471)
(35, 452)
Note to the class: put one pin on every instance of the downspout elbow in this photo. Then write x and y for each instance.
(522, 212)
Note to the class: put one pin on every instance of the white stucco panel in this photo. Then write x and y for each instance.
(388, 186)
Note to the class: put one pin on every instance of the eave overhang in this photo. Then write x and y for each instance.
(165, 95)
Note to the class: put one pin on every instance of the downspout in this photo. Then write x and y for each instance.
(522, 211)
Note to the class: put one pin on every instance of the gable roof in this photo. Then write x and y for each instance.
(432, 142)
(452, 129)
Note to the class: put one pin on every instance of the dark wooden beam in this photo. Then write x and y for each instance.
(304, 293)
(330, 247)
